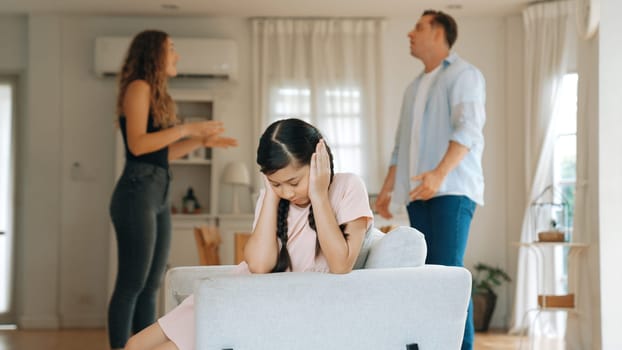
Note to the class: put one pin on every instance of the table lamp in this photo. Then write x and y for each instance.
(236, 174)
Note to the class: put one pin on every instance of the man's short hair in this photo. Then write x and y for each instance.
(447, 22)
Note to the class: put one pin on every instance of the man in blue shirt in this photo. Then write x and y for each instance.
(436, 164)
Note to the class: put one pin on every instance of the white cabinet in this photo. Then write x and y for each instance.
(196, 170)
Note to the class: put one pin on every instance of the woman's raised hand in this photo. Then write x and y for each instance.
(218, 141)
(203, 128)
(319, 172)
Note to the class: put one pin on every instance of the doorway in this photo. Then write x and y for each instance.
(7, 171)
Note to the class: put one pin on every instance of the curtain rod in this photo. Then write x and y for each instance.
(317, 17)
(543, 1)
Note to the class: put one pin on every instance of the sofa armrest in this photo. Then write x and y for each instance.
(364, 310)
(180, 281)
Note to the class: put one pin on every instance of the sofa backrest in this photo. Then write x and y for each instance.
(367, 309)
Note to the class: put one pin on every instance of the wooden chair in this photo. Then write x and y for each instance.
(208, 242)
(240, 239)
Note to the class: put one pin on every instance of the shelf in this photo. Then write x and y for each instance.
(190, 221)
(565, 301)
(551, 244)
(191, 95)
(190, 217)
(561, 309)
(238, 216)
(191, 162)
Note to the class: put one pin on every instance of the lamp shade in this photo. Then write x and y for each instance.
(236, 173)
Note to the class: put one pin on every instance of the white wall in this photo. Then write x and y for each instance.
(13, 35)
(516, 186)
(64, 223)
(38, 210)
(610, 171)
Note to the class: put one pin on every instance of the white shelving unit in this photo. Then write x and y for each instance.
(548, 304)
(196, 170)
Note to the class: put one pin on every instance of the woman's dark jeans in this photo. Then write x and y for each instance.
(142, 221)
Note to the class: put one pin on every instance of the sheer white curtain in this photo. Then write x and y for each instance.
(583, 328)
(328, 72)
(547, 26)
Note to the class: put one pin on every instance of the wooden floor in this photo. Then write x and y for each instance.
(96, 340)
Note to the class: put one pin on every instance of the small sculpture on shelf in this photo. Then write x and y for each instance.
(553, 234)
(190, 204)
(549, 216)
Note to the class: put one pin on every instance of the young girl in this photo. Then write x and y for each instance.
(140, 208)
(307, 219)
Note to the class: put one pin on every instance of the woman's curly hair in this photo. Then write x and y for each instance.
(146, 60)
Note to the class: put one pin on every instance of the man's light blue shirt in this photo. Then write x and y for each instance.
(454, 111)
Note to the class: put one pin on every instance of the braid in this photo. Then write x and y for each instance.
(283, 261)
(311, 219)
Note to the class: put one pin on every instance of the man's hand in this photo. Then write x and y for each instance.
(382, 204)
(430, 182)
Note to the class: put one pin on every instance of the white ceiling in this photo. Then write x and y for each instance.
(260, 8)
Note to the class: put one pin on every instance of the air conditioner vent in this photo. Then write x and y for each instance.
(199, 58)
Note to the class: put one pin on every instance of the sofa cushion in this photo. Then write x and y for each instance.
(402, 247)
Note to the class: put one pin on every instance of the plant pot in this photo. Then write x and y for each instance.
(483, 307)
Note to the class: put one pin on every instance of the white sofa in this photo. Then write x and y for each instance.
(392, 302)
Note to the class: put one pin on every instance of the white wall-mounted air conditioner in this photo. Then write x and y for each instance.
(200, 58)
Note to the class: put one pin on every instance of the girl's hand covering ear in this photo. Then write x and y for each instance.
(319, 172)
(270, 195)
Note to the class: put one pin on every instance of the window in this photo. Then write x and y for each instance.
(291, 102)
(337, 113)
(7, 99)
(565, 151)
(564, 166)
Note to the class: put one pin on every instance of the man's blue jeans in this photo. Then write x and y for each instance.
(445, 222)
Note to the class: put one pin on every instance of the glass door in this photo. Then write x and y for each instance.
(7, 170)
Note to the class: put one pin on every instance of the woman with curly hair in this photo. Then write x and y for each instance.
(139, 207)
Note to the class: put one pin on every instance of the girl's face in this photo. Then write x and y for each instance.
(291, 183)
(171, 58)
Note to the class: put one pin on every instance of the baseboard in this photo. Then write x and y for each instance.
(83, 321)
(38, 322)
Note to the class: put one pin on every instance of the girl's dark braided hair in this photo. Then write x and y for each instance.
(285, 142)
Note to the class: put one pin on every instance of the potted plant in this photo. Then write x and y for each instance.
(485, 279)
